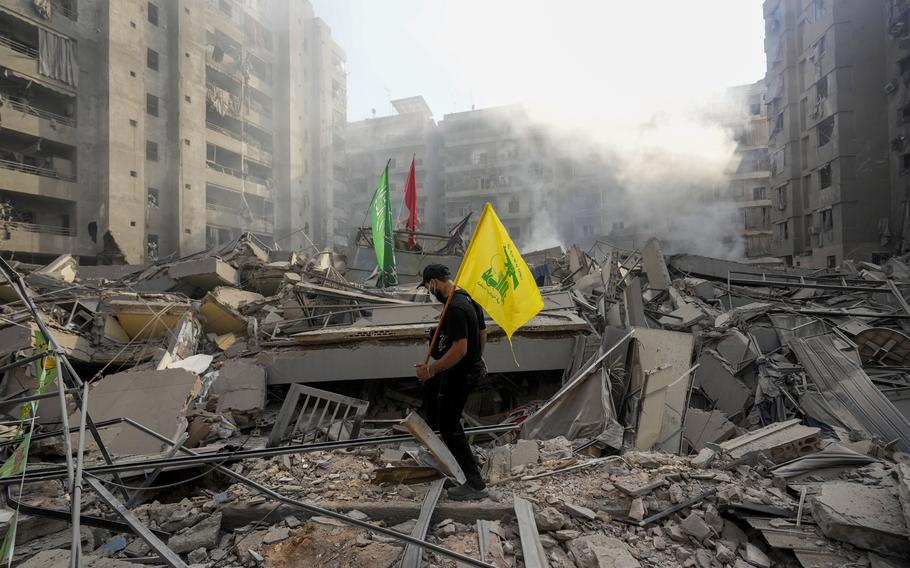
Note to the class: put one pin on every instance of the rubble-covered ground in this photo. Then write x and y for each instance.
(703, 413)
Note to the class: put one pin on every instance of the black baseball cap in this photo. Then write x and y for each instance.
(438, 271)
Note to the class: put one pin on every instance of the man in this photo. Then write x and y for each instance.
(457, 367)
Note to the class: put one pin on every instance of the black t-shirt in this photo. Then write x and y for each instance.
(463, 320)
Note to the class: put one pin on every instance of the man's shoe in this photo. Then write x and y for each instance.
(465, 492)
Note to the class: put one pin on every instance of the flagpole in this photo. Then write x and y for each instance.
(405, 193)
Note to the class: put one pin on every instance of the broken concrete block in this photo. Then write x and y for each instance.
(549, 519)
(756, 557)
(276, 534)
(525, 452)
(15, 337)
(240, 387)
(637, 509)
(780, 441)
(220, 309)
(601, 551)
(868, 517)
(205, 273)
(580, 512)
(720, 383)
(638, 486)
(155, 399)
(702, 427)
(655, 266)
(695, 526)
(203, 535)
(903, 490)
(703, 459)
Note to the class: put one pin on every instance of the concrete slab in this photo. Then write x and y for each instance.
(206, 273)
(702, 428)
(720, 384)
(601, 551)
(868, 517)
(15, 337)
(781, 441)
(220, 310)
(655, 266)
(156, 399)
(240, 386)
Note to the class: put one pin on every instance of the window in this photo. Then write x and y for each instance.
(153, 14)
(587, 230)
(152, 198)
(832, 261)
(818, 10)
(905, 164)
(515, 232)
(783, 231)
(781, 197)
(151, 247)
(825, 131)
(807, 225)
(514, 205)
(827, 219)
(151, 151)
(151, 104)
(151, 59)
(758, 193)
(903, 115)
(824, 176)
(821, 89)
(755, 109)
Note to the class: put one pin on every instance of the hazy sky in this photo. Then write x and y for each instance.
(618, 59)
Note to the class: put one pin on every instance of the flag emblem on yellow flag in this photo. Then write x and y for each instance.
(496, 276)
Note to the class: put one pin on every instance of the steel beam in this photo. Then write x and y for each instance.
(413, 553)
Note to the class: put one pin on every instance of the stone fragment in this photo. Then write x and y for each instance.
(676, 493)
(637, 509)
(580, 512)
(638, 487)
(676, 533)
(714, 520)
(197, 556)
(243, 546)
(868, 517)
(357, 515)
(525, 453)
(695, 526)
(659, 543)
(549, 519)
(276, 534)
(703, 459)
(566, 534)
(203, 535)
(703, 558)
(723, 553)
(756, 557)
(601, 551)
(292, 522)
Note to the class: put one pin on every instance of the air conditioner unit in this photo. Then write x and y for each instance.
(890, 87)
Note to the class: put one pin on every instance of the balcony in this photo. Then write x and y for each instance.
(257, 153)
(37, 122)
(234, 180)
(23, 59)
(33, 180)
(226, 216)
(222, 137)
(39, 239)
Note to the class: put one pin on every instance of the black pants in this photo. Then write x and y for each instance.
(444, 397)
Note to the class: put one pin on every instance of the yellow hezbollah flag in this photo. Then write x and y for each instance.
(496, 276)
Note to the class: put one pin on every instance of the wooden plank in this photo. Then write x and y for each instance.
(425, 435)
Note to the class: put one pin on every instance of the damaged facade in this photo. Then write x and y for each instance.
(189, 126)
(255, 407)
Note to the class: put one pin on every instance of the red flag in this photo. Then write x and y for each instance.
(410, 199)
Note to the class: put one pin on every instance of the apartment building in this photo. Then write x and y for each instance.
(135, 129)
(749, 177)
(828, 145)
(897, 93)
(497, 155)
(395, 139)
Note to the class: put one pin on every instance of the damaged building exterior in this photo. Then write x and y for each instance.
(748, 172)
(829, 131)
(371, 143)
(192, 121)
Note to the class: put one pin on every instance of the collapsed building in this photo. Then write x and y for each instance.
(245, 407)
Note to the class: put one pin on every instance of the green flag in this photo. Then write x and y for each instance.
(383, 236)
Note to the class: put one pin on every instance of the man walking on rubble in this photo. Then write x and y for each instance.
(457, 367)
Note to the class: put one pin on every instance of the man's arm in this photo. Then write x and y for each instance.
(455, 354)
(483, 340)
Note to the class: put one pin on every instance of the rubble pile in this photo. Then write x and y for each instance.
(669, 411)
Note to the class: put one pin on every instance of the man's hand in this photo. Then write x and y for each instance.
(423, 372)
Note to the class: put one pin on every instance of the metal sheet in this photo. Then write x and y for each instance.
(835, 373)
(414, 553)
(534, 554)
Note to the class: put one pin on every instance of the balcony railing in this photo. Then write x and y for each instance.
(33, 228)
(22, 106)
(224, 169)
(19, 47)
(236, 211)
(44, 172)
(64, 8)
(223, 130)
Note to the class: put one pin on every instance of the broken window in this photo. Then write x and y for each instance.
(778, 161)
(755, 109)
(824, 176)
(832, 261)
(152, 13)
(904, 65)
(905, 164)
(514, 205)
(152, 198)
(781, 197)
(783, 231)
(758, 192)
(151, 59)
(151, 104)
(903, 114)
(807, 224)
(827, 219)
(151, 247)
(825, 130)
(515, 232)
(151, 151)
(587, 230)
(821, 89)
